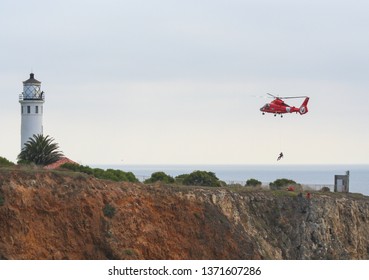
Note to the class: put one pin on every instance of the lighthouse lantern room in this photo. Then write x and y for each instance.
(31, 100)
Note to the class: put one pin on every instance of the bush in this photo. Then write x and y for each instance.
(109, 174)
(253, 183)
(109, 210)
(180, 178)
(159, 177)
(201, 178)
(5, 162)
(281, 183)
(325, 189)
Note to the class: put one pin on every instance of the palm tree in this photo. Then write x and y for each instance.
(40, 150)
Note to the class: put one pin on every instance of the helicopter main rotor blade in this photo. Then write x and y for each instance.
(272, 95)
(292, 97)
(286, 97)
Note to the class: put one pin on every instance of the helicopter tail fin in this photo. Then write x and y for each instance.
(303, 108)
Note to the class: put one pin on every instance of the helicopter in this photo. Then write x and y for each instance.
(279, 107)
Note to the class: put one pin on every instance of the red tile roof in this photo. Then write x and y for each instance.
(58, 163)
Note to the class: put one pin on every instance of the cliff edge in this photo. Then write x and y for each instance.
(64, 215)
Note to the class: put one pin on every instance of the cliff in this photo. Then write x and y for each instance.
(61, 215)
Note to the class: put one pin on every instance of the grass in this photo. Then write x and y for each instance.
(283, 193)
(358, 195)
(33, 169)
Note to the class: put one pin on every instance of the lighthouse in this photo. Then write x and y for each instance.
(31, 100)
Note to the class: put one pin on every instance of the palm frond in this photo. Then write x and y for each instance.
(41, 150)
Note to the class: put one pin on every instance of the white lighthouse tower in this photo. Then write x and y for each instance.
(31, 100)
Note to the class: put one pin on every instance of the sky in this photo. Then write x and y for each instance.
(182, 82)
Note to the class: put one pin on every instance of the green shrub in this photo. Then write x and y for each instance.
(281, 183)
(109, 210)
(160, 177)
(253, 183)
(2, 200)
(109, 174)
(5, 162)
(71, 166)
(325, 189)
(201, 178)
(180, 178)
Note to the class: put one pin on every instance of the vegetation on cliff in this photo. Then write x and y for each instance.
(195, 178)
(109, 174)
(159, 176)
(253, 183)
(200, 178)
(281, 183)
(5, 162)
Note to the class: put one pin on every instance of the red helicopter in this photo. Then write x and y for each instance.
(278, 106)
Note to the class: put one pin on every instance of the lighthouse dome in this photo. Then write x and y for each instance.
(31, 80)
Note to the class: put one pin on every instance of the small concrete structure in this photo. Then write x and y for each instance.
(342, 182)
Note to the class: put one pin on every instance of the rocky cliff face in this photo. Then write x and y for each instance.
(52, 215)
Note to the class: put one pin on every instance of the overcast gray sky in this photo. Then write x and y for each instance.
(166, 81)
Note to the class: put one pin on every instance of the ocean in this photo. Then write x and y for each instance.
(315, 176)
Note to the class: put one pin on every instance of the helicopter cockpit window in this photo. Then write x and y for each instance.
(265, 107)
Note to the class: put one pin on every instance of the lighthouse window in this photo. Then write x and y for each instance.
(28, 109)
(36, 110)
(22, 109)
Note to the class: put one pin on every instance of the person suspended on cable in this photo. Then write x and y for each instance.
(280, 156)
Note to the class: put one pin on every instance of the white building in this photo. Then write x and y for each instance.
(31, 100)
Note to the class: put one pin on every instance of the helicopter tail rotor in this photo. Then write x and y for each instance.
(303, 108)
